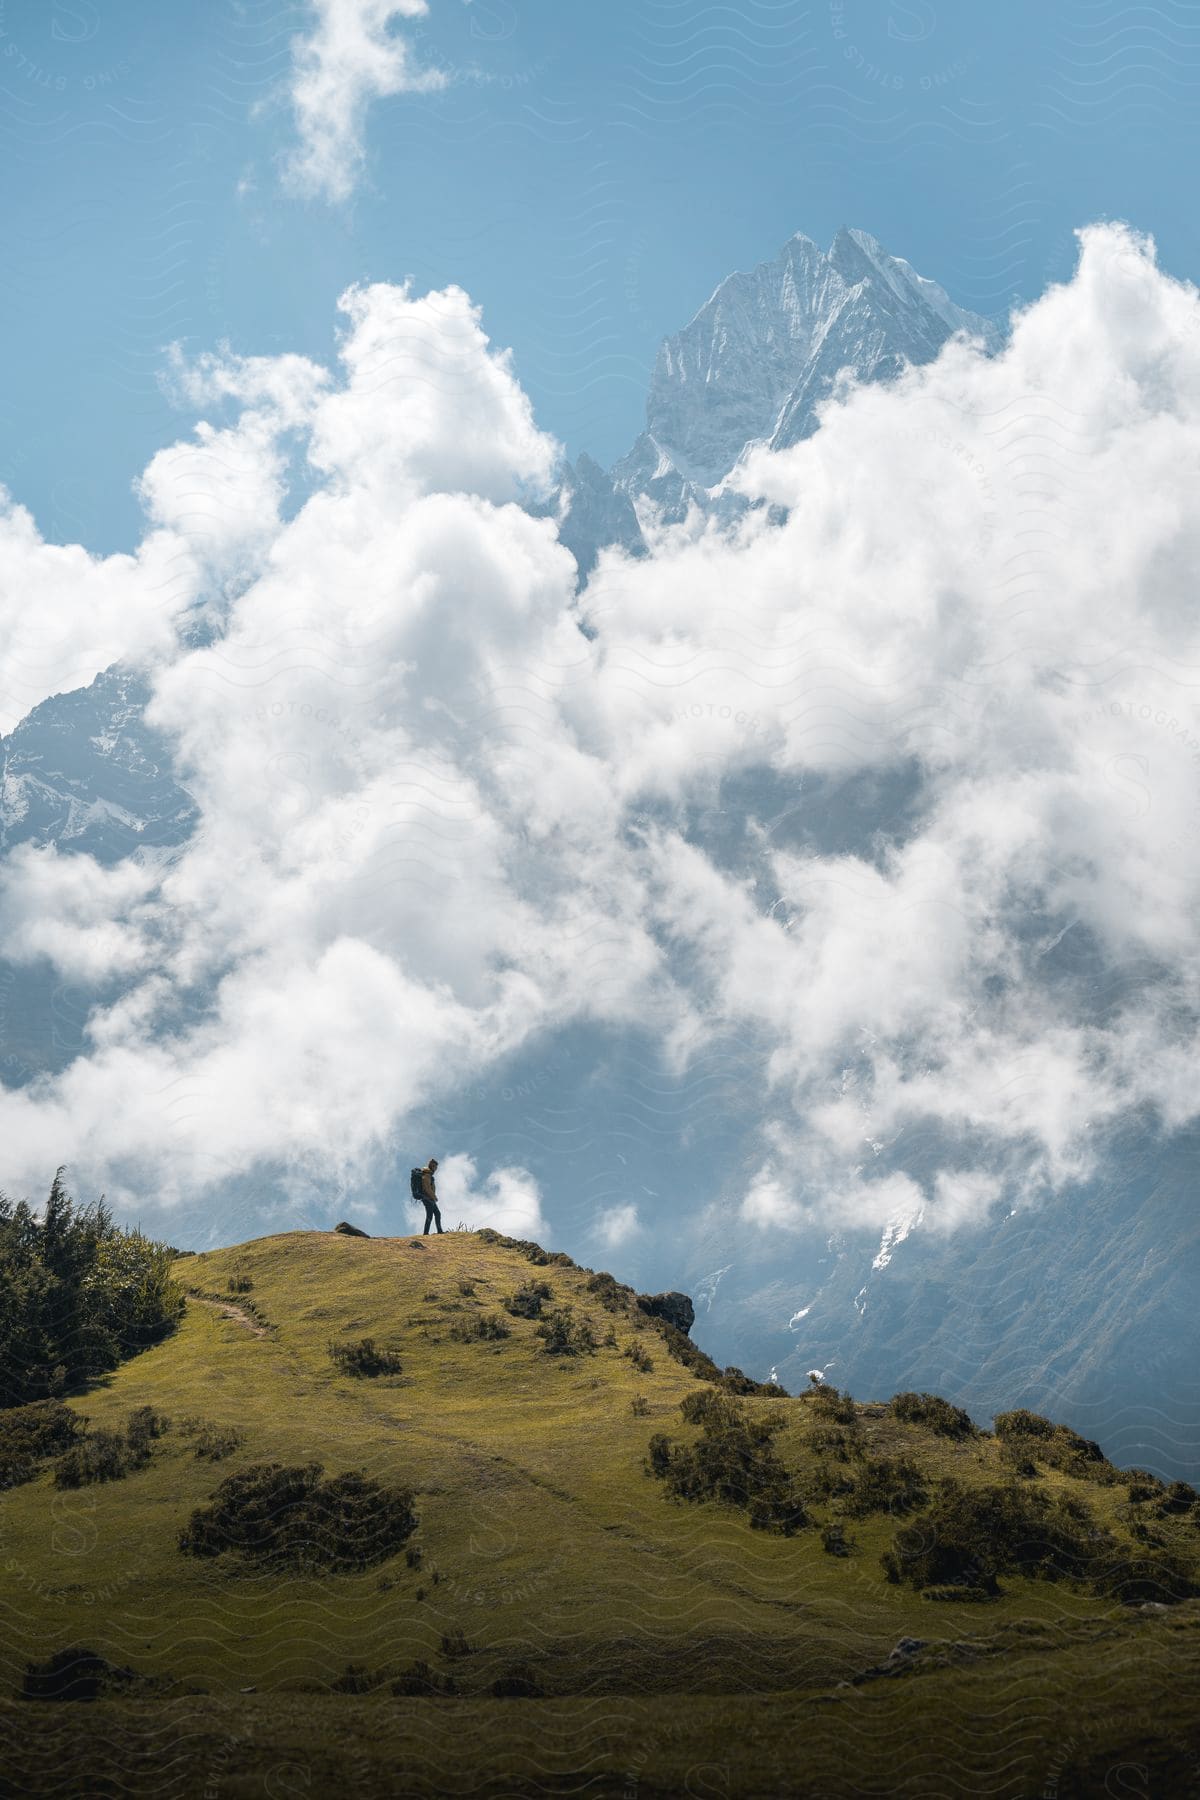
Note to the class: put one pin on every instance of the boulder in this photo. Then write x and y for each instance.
(675, 1308)
(350, 1230)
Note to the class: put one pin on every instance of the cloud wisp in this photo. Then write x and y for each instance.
(351, 57)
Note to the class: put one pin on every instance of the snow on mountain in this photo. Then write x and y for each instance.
(762, 354)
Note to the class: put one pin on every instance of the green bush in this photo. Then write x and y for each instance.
(830, 1405)
(639, 1406)
(639, 1357)
(1179, 1499)
(75, 1674)
(211, 1443)
(109, 1455)
(886, 1484)
(356, 1678)
(835, 1542)
(421, 1680)
(280, 1516)
(483, 1328)
(531, 1251)
(612, 1294)
(145, 1426)
(1023, 1424)
(930, 1409)
(517, 1683)
(31, 1435)
(454, 1643)
(79, 1295)
(364, 1358)
(526, 1303)
(707, 1403)
(834, 1440)
(1027, 1438)
(99, 1456)
(562, 1334)
(733, 1463)
(971, 1536)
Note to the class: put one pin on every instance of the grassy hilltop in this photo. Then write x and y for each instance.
(602, 1593)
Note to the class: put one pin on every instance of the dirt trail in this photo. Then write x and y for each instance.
(231, 1311)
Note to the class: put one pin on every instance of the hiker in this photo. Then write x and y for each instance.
(424, 1189)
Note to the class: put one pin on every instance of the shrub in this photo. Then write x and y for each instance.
(31, 1435)
(562, 1334)
(79, 1295)
(639, 1357)
(421, 1680)
(517, 1683)
(831, 1405)
(144, 1427)
(454, 1643)
(639, 1406)
(98, 1456)
(886, 1485)
(484, 1327)
(466, 1289)
(239, 1281)
(833, 1440)
(733, 1463)
(699, 1407)
(76, 1673)
(834, 1541)
(932, 1410)
(412, 1556)
(364, 1358)
(531, 1251)
(283, 1516)
(355, 1678)
(1026, 1438)
(1022, 1423)
(970, 1536)
(526, 1303)
(612, 1294)
(210, 1442)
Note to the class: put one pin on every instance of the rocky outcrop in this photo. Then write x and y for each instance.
(675, 1308)
(350, 1230)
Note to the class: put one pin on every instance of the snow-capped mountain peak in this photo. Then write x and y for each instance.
(756, 361)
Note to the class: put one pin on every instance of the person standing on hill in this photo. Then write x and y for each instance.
(429, 1195)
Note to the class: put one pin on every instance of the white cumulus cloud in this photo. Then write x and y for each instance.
(438, 819)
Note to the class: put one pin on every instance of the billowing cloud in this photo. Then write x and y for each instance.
(65, 615)
(350, 56)
(892, 783)
(507, 1200)
(617, 1225)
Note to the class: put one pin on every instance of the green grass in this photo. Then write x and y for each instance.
(662, 1631)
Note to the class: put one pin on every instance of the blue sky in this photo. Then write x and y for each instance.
(587, 173)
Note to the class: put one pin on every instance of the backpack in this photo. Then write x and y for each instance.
(417, 1185)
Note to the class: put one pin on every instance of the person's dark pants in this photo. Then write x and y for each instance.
(431, 1212)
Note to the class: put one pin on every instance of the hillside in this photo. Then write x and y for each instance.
(650, 1644)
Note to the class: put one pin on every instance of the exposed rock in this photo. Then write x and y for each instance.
(675, 1308)
(350, 1230)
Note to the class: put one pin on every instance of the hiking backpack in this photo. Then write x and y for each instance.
(417, 1185)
